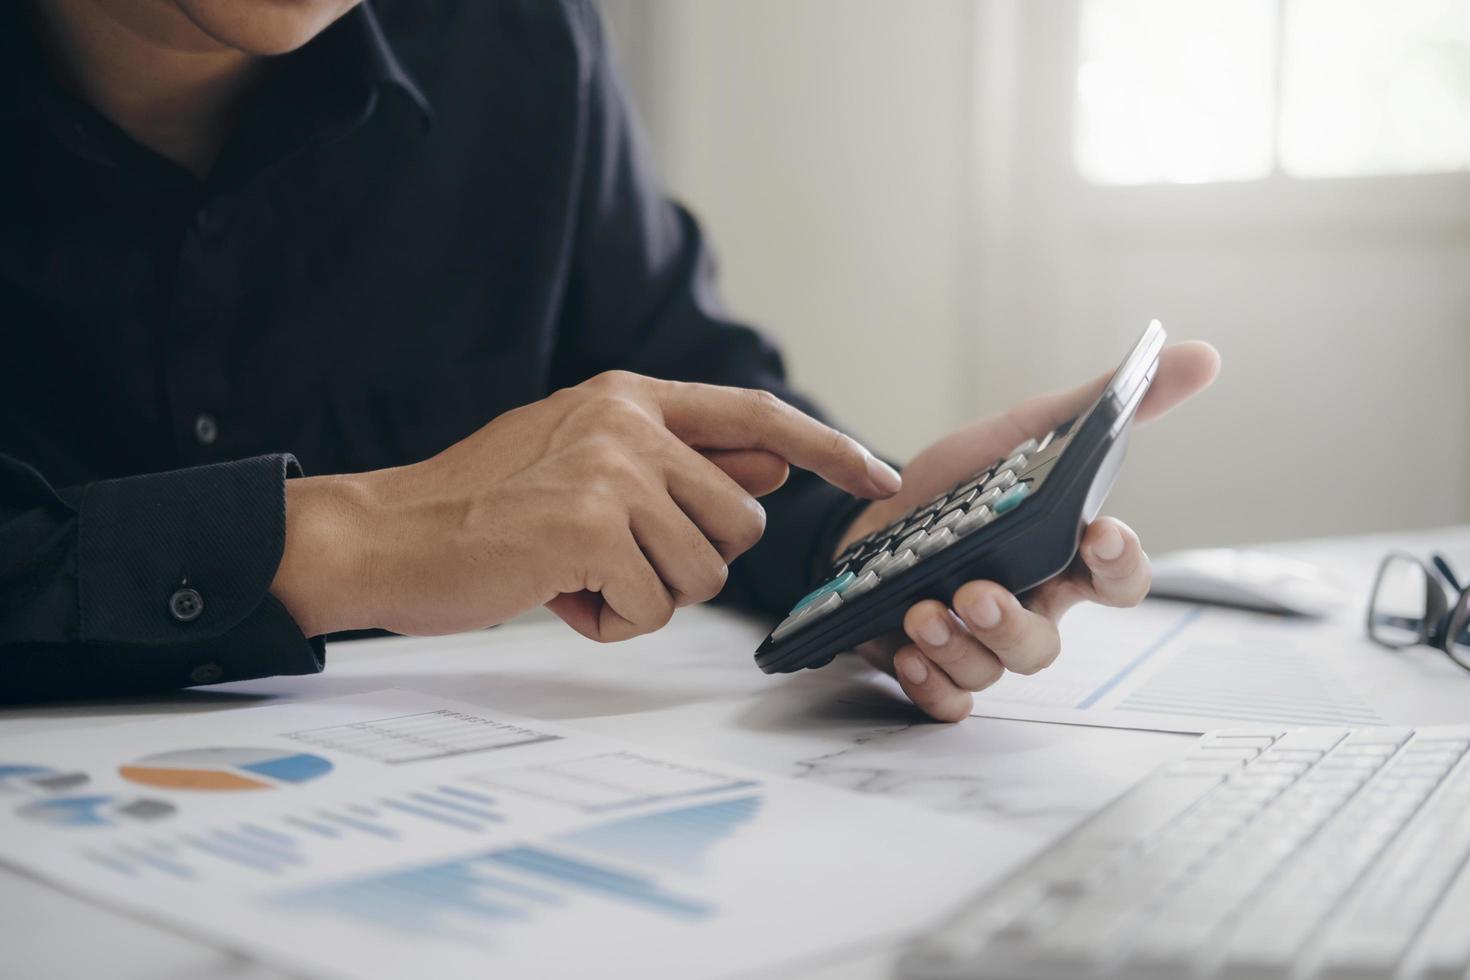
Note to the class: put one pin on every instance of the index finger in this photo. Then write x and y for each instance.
(717, 417)
(1184, 370)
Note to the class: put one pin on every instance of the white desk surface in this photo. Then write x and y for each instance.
(691, 686)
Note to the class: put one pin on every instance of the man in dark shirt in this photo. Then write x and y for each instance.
(417, 246)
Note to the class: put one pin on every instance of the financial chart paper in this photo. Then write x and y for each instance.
(395, 834)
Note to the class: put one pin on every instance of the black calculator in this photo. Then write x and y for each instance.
(1017, 522)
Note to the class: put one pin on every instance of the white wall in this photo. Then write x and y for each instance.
(823, 145)
(890, 185)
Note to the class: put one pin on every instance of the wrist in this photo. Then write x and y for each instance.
(324, 578)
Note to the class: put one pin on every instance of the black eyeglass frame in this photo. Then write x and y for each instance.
(1443, 620)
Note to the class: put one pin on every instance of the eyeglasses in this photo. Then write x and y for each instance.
(1415, 603)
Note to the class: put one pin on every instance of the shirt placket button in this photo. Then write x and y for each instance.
(206, 429)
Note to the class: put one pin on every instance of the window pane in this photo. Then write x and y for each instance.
(1376, 87)
(1177, 91)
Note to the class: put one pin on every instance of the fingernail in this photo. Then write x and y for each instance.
(883, 476)
(913, 668)
(1109, 543)
(934, 633)
(984, 613)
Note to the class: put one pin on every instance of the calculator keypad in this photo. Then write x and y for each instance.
(974, 503)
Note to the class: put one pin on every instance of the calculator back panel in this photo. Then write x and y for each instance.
(1068, 481)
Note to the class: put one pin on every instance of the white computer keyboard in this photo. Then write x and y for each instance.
(1308, 852)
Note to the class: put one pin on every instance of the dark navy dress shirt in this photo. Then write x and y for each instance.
(432, 213)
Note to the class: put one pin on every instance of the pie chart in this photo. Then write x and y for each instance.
(225, 770)
(34, 779)
(95, 811)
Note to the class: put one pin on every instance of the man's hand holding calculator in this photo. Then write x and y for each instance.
(965, 646)
(616, 501)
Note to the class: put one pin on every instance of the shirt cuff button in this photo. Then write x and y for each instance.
(185, 605)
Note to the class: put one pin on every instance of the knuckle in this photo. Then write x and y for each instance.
(751, 526)
(593, 519)
(712, 576)
(659, 615)
(614, 380)
(619, 415)
(763, 405)
(837, 444)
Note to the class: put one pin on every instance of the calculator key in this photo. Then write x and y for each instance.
(1026, 448)
(865, 582)
(974, 520)
(873, 562)
(787, 626)
(1015, 464)
(1011, 498)
(911, 541)
(959, 500)
(935, 541)
(986, 499)
(917, 524)
(977, 481)
(1046, 440)
(947, 520)
(836, 584)
(1003, 480)
(809, 615)
(898, 564)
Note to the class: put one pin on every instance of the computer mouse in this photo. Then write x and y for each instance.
(1246, 580)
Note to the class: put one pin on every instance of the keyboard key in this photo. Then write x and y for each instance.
(1315, 739)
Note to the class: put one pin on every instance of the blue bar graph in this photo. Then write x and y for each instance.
(577, 874)
(503, 886)
(680, 839)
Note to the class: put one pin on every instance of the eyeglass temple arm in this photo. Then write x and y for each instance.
(1444, 569)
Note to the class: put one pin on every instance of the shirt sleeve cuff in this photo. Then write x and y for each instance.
(185, 560)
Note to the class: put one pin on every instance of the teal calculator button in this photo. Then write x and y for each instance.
(836, 585)
(1011, 498)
